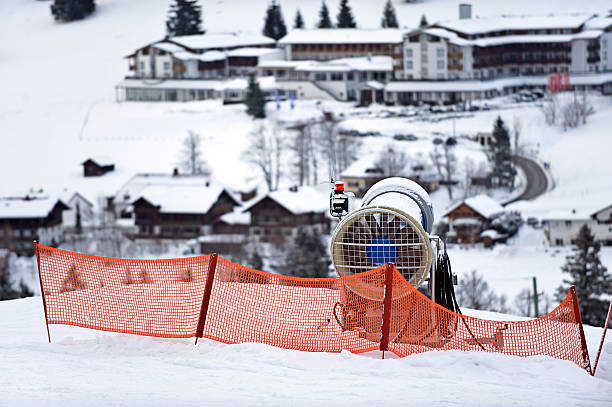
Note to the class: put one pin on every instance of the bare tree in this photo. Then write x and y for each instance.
(523, 302)
(474, 292)
(391, 161)
(469, 169)
(337, 149)
(191, 160)
(550, 110)
(265, 151)
(450, 166)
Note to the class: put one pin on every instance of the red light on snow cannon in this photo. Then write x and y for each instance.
(339, 186)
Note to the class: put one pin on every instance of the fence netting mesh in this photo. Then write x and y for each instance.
(164, 298)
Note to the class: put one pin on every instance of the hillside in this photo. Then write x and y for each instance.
(110, 369)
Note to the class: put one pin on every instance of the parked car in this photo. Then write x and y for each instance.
(405, 137)
(371, 134)
(438, 141)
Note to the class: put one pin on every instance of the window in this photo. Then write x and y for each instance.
(424, 58)
(336, 76)
(440, 64)
(142, 65)
(440, 76)
(409, 52)
(349, 76)
(320, 76)
(440, 52)
(568, 223)
(408, 64)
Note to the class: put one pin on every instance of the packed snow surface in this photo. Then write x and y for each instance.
(99, 368)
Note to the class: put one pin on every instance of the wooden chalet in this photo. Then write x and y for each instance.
(468, 218)
(24, 220)
(95, 167)
(174, 206)
(276, 217)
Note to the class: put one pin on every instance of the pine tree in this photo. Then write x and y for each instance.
(298, 22)
(307, 256)
(345, 16)
(423, 22)
(73, 281)
(589, 276)
(389, 19)
(184, 18)
(255, 261)
(255, 100)
(128, 279)
(501, 155)
(274, 25)
(78, 226)
(71, 10)
(324, 19)
(144, 277)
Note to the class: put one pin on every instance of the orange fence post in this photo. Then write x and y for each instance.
(585, 351)
(212, 265)
(386, 320)
(42, 291)
(603, 337)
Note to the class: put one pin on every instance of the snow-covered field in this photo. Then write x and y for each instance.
(97, 368)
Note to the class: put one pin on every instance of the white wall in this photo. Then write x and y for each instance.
(606, 51)
(579, 56)
(304, 89)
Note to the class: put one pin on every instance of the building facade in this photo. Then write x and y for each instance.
(26, 219)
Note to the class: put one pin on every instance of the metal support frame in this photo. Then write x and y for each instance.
(603, 337)
(386, 319)
(42, 291)
(585, 351)
(212, 265)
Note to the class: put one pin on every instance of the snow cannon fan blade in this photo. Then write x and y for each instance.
(392, 226)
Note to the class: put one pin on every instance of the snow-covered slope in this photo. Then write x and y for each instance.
(97, 368)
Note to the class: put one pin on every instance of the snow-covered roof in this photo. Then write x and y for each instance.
(569, 214)
(265, 83)
(237, 217)
(493, 234)
(366, 63)
(344, 36)
(221, 40)
(467, 222)
(598, 23)
(171, 84)
(482, 204)
(375, 85)
(476, 86)
(208, 56)
(303, 200)
(22, 208)
(364, 167)
(223, 238)
(283, 64)
(100, 160)
(253, 52)
(488, 24)
(174, 194)
(168, 47)
(453, 38)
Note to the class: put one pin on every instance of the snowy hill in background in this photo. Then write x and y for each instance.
(59, 76)
(100, 368)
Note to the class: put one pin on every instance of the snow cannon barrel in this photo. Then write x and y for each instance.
(391, 226)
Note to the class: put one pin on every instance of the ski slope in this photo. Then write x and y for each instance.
(98, 368)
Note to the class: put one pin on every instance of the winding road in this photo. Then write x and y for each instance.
(537, 182)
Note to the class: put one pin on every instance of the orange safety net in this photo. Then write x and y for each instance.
(142, 297)
(320, 315)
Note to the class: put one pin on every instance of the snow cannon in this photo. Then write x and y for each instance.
(393, 225)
